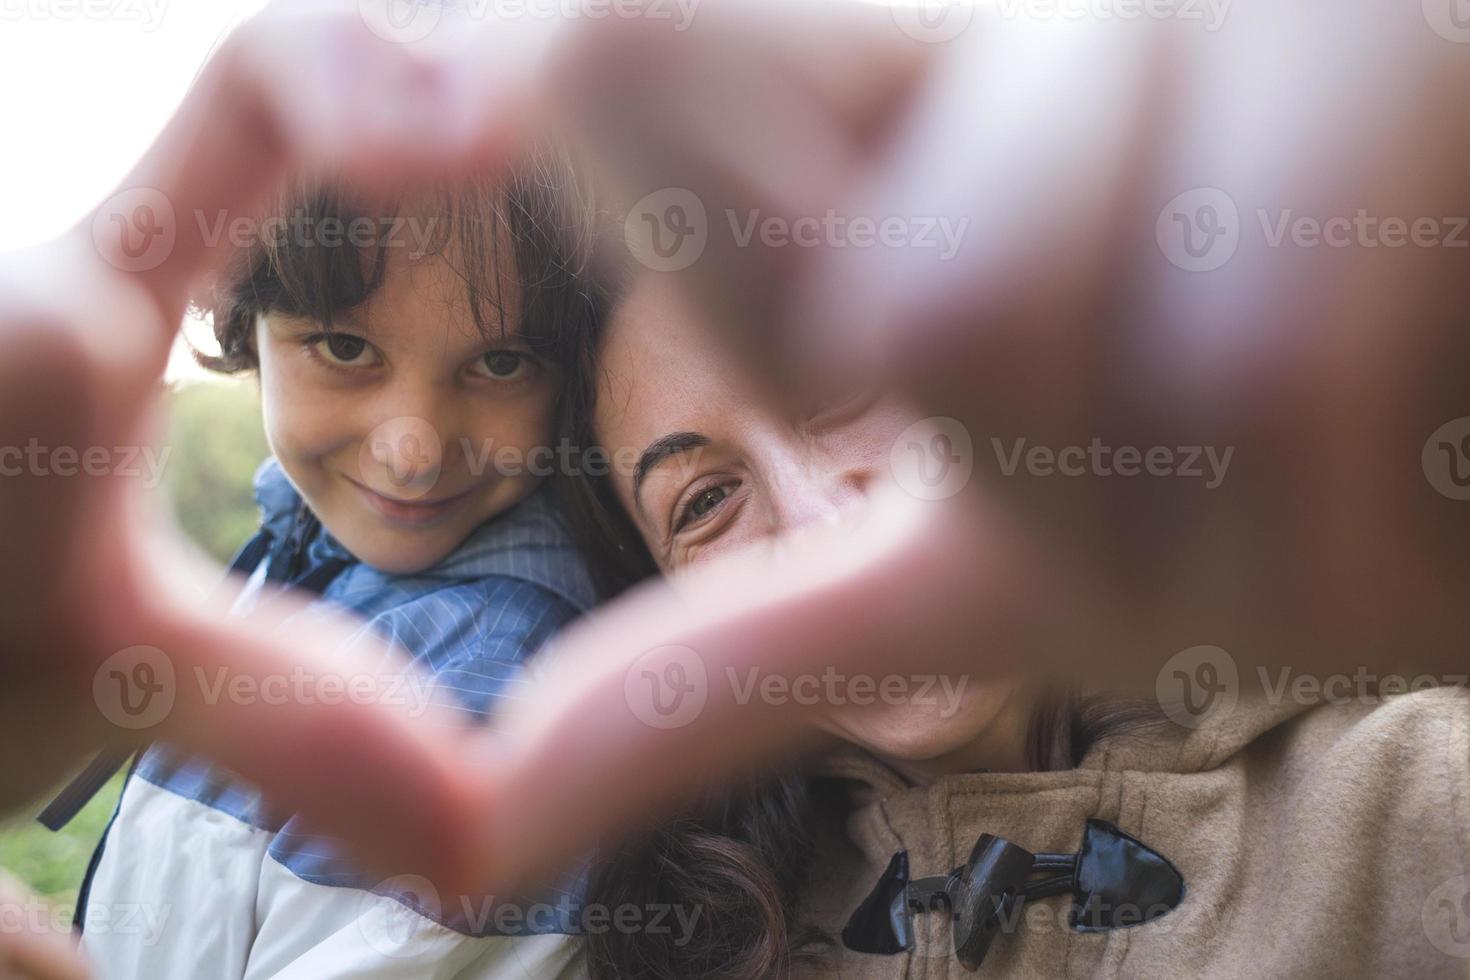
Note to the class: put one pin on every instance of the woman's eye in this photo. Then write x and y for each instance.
(503, 364)
(341, 348)
(703, 503)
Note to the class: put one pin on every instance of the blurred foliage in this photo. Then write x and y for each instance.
(52, 864)
(215, 443)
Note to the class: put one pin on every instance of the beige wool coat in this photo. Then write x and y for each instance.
(1326, 841)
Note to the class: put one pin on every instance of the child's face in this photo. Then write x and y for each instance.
(406, 428)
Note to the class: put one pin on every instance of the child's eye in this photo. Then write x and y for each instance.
(503, 365)
(341, 349)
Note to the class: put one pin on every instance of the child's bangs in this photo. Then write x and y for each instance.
(518, 247)
(318, 270)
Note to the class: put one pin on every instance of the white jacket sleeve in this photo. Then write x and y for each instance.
(316, 932)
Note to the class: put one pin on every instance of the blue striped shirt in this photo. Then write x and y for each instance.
(470, 622)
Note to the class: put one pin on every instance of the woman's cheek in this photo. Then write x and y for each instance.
(735, 537)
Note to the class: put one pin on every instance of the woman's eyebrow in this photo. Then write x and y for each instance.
(660, 450)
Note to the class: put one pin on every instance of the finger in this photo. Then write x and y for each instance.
(1067, 317)
(739, 116)
(320, 89)
(994, 153)
(303, 704)
(32, 946)
(644, 702)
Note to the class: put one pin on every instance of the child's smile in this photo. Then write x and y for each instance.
(412, 512)
(379, 421)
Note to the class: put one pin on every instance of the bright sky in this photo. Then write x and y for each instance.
(85, 86)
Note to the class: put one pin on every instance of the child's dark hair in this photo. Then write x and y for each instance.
(321, 254)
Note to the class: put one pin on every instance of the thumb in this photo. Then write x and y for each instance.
(33, 943)
(321, 716)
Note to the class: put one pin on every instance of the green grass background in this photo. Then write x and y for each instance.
(215, 443)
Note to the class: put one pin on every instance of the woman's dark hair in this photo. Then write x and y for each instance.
(320, 253)
(731, 865)
(609, 540)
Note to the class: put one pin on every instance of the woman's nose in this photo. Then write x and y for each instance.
(820, 492)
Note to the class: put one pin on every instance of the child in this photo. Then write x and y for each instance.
(405, 365)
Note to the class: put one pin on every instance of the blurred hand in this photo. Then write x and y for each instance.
(1132, 269)
(86, 324)
(32, 946)
(1124, 280)
(1065, 316)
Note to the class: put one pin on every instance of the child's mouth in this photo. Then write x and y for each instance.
(415, 512)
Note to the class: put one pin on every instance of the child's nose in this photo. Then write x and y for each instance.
(402, 456)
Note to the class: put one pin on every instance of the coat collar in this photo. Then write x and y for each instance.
(1162, 748)
(937, 827)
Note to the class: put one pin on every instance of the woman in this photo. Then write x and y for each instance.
(1270, 839)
